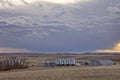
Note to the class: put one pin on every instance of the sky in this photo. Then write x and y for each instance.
(59, 25)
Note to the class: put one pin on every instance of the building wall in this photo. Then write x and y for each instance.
(101, 63)
(95, 63)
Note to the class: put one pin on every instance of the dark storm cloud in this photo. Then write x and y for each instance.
(86, 26)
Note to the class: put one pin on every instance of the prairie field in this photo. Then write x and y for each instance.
(38, 72)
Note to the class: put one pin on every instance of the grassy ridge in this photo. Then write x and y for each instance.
(88, 73)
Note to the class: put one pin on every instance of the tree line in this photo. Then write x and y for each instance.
(13, 62)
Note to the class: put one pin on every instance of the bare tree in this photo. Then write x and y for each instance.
(13, 63)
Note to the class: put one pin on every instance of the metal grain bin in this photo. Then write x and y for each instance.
(63, 61)
(73, 61)
(58, 62)
(67, 62)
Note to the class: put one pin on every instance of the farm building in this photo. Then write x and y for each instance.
(49, 64)
(101, 63)
(60, 62)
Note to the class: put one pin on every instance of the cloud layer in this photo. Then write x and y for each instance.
(9, 3)
(43, 26)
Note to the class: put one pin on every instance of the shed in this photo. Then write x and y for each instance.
(52, 64)
(101, 63)
(46, 63)
(49, 64)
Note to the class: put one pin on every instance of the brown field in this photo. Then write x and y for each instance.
(38, 72)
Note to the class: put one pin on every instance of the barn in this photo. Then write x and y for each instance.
(101, 63)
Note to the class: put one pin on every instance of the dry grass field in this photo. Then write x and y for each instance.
(38, 72)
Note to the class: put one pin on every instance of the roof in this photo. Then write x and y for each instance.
(105, 61)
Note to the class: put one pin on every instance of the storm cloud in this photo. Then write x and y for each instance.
(47, 27)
